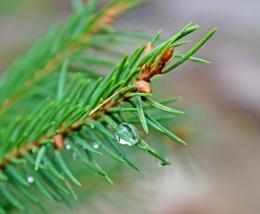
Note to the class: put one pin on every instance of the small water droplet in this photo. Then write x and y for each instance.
(30, 179)
(95, 145)
(159, 163)
(74, 156)
(162, 163)
(67, 146)
(127, 134)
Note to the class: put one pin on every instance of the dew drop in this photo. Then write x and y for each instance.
(127, 134)
(95, 145)
(159, 163)
(162, 163)
(30, 179)
(67, 146)
(74, 156)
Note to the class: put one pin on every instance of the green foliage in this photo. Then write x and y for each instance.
(50, 105)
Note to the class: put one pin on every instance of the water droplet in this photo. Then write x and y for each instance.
(67, 146)
(30, 179)
(162, 163)
(95, 145)
(74, 156)
(159, 163)
(127, 134)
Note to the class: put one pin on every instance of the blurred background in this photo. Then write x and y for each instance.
(219, 171)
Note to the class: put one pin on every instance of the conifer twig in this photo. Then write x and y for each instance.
(89, 116)
(144, 77)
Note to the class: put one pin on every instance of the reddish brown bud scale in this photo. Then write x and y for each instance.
(167, 55)
(144, 68)
(143, 86)
(75, 125)
(108, 20)
(58, 141)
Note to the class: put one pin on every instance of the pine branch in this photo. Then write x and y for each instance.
(86, 110)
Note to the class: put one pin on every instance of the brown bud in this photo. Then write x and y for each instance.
(76, 125)
(144, 69)
(108, 20)
(167, 55)
(143, 86)
(58, 141)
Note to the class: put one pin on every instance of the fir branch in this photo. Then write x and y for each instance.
(85, 110)
(145, 75)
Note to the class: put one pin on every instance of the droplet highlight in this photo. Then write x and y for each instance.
(30, 179)
(127, 134)
(67, 146)
(162, 163)
(95, 145)
(74, 156)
